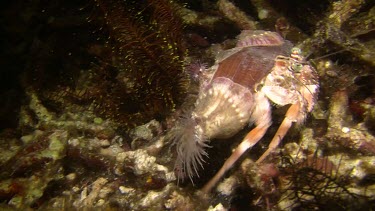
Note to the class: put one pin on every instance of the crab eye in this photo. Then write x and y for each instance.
(296, 51)
(296, 54)
(296, 67)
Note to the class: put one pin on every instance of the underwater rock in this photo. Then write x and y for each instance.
(343, 131)
(143, 163)
(236, 15)
(25, 176)
(144, 134)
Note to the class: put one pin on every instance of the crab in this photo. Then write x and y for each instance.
(262, 68)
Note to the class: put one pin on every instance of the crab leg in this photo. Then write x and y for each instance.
(290, 117)
(262, 119)
(250, 140)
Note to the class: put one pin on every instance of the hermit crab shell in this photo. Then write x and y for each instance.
(224, 107)
(226, 101)
(259, 38)
(250, 65)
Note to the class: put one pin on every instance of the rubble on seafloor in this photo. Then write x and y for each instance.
(75, 158)
(76, 161)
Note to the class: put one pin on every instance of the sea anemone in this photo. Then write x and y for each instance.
(190, 142)
(195, 69)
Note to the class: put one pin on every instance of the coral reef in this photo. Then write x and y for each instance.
(90, 89)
